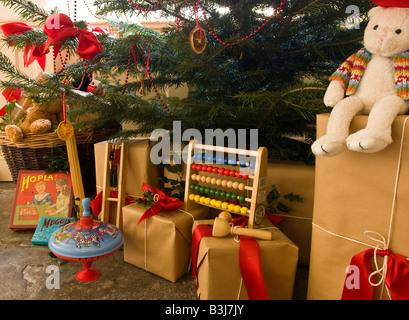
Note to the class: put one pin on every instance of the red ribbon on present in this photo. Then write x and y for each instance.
(200, 231)
(162, 202)
(249, 259)
(396, 276)
(59, 27)
(31, 52)
(250, 268)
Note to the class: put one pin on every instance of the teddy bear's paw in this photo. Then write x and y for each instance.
(328, 146)
(368, 142)
(335, 93)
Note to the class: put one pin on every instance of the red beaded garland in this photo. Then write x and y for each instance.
(145, 8)
(248, 36)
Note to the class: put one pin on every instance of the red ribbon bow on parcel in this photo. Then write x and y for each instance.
(162, 202)
(59, 27)
(31, 52)
(395, 274)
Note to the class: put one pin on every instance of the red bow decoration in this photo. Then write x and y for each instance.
(31, 52)
(59, 27)
(10, 94)
(249, 259)
(162, 202)
(396, 276)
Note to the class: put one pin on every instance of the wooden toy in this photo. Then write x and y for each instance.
(222, 228)
(226, 182)
(115, 169)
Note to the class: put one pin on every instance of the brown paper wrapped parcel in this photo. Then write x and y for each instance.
(218, 267)
(354, 193)
(139, 168)
(297, 178)
(160, 244)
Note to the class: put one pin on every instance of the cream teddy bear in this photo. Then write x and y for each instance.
(375, 81)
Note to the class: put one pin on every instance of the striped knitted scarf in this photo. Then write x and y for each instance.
(350, 72)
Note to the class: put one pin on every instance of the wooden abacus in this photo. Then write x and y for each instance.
(216, 182)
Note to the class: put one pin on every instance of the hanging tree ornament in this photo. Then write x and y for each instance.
(197, 37)
(198, 40)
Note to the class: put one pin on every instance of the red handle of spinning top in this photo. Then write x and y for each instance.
(86, 222)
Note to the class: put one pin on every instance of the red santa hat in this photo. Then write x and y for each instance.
(392, 3)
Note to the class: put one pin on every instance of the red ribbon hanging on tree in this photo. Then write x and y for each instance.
(31, 52)
(162, 202)
(59, 27)
(249, 259)
(396, 276)
(10, 94)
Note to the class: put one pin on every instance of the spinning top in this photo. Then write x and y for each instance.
(222, 228)
(86, 240)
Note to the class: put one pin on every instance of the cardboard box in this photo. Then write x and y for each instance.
(160, 244)
(218, 268)
(354, 193)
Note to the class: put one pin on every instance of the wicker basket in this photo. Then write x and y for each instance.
(29, 153)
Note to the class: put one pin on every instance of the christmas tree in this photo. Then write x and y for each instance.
(247, 64)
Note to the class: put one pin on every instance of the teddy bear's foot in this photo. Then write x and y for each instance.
(328, 146)
(368, 142)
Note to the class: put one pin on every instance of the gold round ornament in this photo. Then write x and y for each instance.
(65, 130)
(198, 40)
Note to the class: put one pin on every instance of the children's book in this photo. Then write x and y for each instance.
(38, 195)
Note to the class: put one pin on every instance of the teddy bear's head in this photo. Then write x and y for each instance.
(387, 33)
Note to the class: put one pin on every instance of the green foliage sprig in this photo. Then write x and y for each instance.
(275, 206)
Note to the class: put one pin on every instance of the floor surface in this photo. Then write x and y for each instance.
(23, 271)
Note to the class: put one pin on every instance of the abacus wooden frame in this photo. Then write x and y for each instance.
(256, 184)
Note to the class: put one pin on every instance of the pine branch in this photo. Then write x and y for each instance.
(27, 10)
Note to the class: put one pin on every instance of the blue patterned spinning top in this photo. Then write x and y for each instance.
(86, 240)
